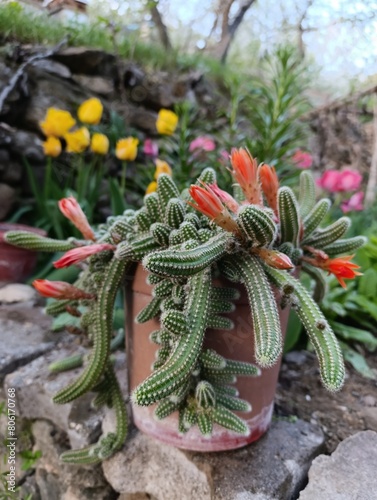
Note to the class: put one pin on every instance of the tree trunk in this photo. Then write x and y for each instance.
(161, 28)
(229, 29)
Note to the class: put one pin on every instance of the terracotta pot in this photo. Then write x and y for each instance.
(16, 264)
(236, 344)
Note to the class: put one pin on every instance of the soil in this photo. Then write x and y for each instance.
(300, 394)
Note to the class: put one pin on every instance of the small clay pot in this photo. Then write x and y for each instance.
(16, 264)
(237, 344)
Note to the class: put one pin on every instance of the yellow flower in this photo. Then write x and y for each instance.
(126, 149)
(152, 187)
(52, 147)
(78, 140)
(99, 144)
(162, 167)
(90, 111)
(166, 122)
(57, 122)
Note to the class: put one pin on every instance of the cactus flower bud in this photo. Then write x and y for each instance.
(245, 172)
(78, 254)
(275, 259)
(270, 185)
(210, 205)
(60, 290)
(71, 209)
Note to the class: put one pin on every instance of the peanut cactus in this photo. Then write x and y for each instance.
(246, 241)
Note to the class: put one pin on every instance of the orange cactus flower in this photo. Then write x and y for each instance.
(341, 268)
(78, 140)
(126, 149)
(162, 167)
(52, 146)
(57, 122)
(275, 259)
(60, 290)
(210, 205)
(225, 197)
(245, 172)
(90, 111)
(151, 188)
(270, 185)
(99, 144)
(166, 122)
(71, 209)
(81, 253)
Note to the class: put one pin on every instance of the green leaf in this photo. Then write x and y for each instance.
(352, 333)
(294, 329)
(358, 362)
(118, 205)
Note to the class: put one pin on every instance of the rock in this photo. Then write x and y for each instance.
(370, 418)
(87, 61)
(4, 160)
(24, 336)
(13, 173)
(95, 84)
(369, 400)
(16, 292)
(35, 387)
(151, 469)
(349, 473)
(29, 489)
(52, 67)
(7, 197)
(63, 481)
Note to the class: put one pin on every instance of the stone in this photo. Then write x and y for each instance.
(35, 387)
(25, 335)
(52, 67)
(349, 473)
(146, 468)
(7, 197)
(369, 400)
(95, 84)
(63, 481)
(17, 292)
(87, 61)
(370, 418)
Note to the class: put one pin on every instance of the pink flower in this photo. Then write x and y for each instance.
(78, 254)
(302, 160)
(355, 203)
(150, 148)
(350, 180)
(60, 290)
(330, 181)
(225, 197)
(203, 143)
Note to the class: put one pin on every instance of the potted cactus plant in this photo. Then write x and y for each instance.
(195, 259)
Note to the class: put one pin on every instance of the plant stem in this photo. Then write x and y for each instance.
(123, 178)
(47, 181)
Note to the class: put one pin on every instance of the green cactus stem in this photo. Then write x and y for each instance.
(306, 198)
(33, 241)
(289, 216)
(265, 317)
(101, 334)
(320, 334)
(177, 369)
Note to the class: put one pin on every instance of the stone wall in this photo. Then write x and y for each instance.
(64, 80)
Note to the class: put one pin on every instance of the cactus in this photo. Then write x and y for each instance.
(183, 252)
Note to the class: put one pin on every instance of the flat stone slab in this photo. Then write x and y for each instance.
(25, 335)
(273, 468)
(349, 473)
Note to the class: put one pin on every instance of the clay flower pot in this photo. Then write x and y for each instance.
(236, 344)
(16, 264)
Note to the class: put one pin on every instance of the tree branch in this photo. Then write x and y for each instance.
(159, 23)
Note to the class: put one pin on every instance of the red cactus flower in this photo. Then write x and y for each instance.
(72, 210)
(78, 254)
(60, 290)
(210, 205)
(270, 185)
(245, 172)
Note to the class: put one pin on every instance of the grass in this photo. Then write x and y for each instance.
(24, 25)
